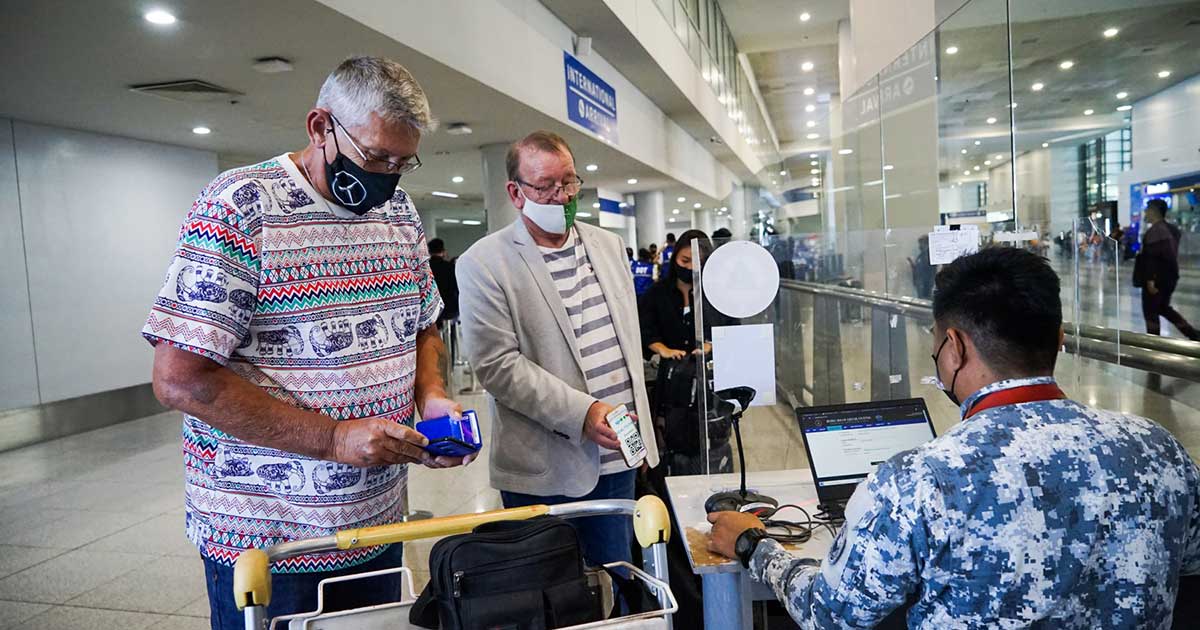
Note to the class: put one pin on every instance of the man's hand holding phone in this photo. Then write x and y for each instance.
(596, 429)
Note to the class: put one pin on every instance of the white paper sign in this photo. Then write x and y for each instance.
(745, 355)
(945, 247)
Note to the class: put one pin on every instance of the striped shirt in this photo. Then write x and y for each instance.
(604, 366)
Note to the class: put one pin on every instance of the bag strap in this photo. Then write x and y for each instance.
(424, 611)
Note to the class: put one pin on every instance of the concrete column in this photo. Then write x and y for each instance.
(702, 220)
(739, 213)
(496, 206)
(650, 218)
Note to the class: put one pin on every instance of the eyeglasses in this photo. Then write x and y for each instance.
(373, 162)
(571, 187)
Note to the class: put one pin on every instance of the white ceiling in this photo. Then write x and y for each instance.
(70, 63)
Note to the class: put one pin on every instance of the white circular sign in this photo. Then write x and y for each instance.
(740, 279)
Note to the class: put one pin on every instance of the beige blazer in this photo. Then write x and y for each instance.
(520, 342)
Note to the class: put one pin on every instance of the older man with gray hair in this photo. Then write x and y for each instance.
(296, 332)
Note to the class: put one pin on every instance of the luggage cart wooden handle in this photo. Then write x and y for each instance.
(252, 571)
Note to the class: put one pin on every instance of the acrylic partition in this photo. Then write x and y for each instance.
(1040, 125)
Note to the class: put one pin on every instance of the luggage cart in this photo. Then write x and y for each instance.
(252, 576)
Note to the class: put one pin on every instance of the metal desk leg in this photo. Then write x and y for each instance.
(727, 601)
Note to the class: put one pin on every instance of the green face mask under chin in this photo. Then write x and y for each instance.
(569, 211)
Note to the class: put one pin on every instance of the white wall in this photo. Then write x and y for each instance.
(18, 378)
(1166, 138)
(880, 30)
(100, 217)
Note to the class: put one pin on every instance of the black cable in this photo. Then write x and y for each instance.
(796, 532)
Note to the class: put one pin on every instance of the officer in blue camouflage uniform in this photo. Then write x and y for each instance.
(1034, 512)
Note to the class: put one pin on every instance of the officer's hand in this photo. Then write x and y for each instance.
(377, 442)
(726, 527)
(596, 428)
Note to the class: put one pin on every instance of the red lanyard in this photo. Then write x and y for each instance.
(1016, 396)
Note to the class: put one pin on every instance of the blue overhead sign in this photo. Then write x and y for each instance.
(591, 103)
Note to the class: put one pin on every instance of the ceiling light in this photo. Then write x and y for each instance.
(681, 199)
(774, 183)
(582, 215)
(888, 167)
(591, 168)
(1088, 112)
(160, 17)
(451, 221)
(812, 155)
(201, 131)
(977, 143)
(966, 172)
(814, 171)
(724, 209)
(671, 220)
(457, 179)
(1162, 74)
(1111, 32)
(977, 167)
(951, 50)
(1125, 108)
(1037, 87)
(448, 195)
(810, 108)
(804, 17)
(474, 222)
(631, 181)
(816, 182)
(696, 205)
(459, 129)
(810, 124)
(991, 120)
(1013, 105)
(272, 65)
(1122, 96)
(987, 162)
(963, 151)
(783, 173)
(807, 66)
(813, 136)
(809, 91)
(845, 151)
(999, 157)
(675, 211)
(813, 163)
(595, 204)
(1067, 65)
(1045, 145)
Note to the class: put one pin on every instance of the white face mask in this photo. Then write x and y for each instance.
(553, 218)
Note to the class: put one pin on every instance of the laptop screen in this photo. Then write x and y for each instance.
(845, 443)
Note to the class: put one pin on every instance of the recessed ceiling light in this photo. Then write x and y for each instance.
(582, 215)
(671, 220)
(1045, 145)
(987, 162)
(724, 208)
(595, 204)
(951, 50)
(675, 211)
(810, 124)
(810, 108)
(1162, 74)
(966, 172)
(774, 183)
(888, 167)
(809, 91)
(451, 221)
(201, 131)
(591, 168)
(812, 155)
(845, 151)
(813, 163)
(681, 199)
(816, 182)
(474, 222)
(977, 143)
(807, 66)
(1125, 108)
(977, 167)
(1088, 112)
(1111, 32)
(1067, 65)
(991, 120)
(999, 156)
(1013, 104)
(813, 136)
(457, 179)
(160, 17)
(783, 173)
(696, 205)
(448, 195)
(963, 151)
(1037, 87)
(814, 171)
(804, 17)
(631, 181)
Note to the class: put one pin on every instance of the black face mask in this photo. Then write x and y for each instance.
(683, 273)
(949, 392)
(355, 188)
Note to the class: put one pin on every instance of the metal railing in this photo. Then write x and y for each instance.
(889, 357)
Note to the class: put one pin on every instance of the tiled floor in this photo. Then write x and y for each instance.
(91, 526)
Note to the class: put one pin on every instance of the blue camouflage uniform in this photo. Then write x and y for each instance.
(1044, 514)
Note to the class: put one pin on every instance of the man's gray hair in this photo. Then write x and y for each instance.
(361, 85)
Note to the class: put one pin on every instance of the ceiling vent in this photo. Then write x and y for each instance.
(187, 91)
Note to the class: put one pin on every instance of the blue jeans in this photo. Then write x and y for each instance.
(603, 539)
(297, 592)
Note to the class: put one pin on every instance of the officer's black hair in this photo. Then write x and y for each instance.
(1007, 300)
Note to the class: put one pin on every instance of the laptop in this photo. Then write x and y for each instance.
(846, 443)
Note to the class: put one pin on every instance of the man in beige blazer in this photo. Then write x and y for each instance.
(550, 326)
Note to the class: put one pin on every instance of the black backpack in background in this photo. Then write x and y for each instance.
(508, 575)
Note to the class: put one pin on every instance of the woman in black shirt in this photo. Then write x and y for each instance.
(668, 320)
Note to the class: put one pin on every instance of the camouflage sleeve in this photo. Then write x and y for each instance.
(1191, 546)
(873, 564)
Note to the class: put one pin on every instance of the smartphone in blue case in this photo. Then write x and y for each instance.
(450, 437)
